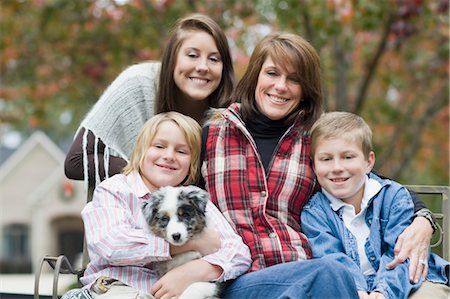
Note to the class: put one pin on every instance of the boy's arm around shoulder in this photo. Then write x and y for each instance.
(324, 230)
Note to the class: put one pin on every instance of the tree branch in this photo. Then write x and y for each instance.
(309, 31)
(432, 108)
(372, 66)
(341, 78)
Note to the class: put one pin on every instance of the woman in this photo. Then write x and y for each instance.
(258, 172)
(196, 73)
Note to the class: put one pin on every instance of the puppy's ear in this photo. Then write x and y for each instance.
(196, 196)
(150, 207)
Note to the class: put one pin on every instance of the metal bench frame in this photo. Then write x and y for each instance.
(443, 230)
(61, 265)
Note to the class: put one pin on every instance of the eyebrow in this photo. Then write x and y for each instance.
(196, 49)
(162, 140)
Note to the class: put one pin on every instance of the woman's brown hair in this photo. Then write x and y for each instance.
(284, 49)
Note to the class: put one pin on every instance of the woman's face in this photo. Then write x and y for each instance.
(198, 69)
(278, 90)
(167, 160)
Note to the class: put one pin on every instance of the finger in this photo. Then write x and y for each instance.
(398, 245)
(161, 294)
(425, 271)
(398, 259)
(397, 249)
(422, 270)
(155, 288)
(414, 268)
(363, 295)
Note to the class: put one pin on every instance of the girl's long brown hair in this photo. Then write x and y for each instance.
(168, 91)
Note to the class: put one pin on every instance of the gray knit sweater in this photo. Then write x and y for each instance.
(121, 111)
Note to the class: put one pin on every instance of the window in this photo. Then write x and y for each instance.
(16, 241)
(16, 249)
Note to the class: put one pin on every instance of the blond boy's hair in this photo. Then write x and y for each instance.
(191, 131)
(342, 125)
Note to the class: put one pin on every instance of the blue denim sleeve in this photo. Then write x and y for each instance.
(321, 227)
(398, 210)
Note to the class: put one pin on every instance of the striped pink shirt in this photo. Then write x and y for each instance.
(121, 246)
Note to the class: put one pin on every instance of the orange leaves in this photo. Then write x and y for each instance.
(343, 10)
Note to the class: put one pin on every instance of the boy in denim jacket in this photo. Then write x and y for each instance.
(357, 216)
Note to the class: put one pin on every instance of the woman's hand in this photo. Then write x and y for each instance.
(413, 244)
(175, 282)
(376, 295)
(363, 295)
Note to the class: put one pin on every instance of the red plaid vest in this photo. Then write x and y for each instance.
(264, 208)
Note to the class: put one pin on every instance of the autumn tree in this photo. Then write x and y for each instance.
(385, 60)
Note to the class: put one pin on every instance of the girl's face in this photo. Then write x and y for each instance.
(167, 160)
(198, 70)
(278, 90)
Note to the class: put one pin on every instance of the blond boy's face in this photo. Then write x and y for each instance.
(341, 168)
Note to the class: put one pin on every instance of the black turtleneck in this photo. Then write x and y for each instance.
(266, 133)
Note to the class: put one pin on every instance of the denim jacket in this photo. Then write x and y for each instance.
(389, 212)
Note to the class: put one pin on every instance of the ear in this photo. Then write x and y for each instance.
(196, 196)
(370, 162)
(150, 207)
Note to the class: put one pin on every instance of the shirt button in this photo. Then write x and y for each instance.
(263, 193)
(370, 221)
(272, 235)
(372, 258)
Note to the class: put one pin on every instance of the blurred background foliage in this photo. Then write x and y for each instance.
(385, 60)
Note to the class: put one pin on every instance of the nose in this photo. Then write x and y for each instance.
(176, 236)
(281, 84)
(169, 154)
(202, 65)
(337, 165)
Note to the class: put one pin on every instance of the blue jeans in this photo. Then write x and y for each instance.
(316, 279)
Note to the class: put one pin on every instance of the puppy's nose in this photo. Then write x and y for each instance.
(176, 237)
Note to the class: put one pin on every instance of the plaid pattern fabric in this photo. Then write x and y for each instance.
(263, 208)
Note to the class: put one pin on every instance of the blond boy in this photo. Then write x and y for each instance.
(358, 216)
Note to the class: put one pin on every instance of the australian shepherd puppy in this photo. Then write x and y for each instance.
(177, 214)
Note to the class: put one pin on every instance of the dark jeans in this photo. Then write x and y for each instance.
(316, 279)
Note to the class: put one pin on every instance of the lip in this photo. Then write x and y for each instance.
(166, 167)
(338, 180)
(277, 99)
(199, 80)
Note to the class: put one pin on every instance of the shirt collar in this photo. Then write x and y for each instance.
(371, 187)
(136, 183)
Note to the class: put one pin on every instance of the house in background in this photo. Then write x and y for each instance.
(39, 207)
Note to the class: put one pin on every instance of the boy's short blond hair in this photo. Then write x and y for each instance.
(345, 125)
(191, 131)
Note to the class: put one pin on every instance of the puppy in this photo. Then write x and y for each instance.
(177, 214)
